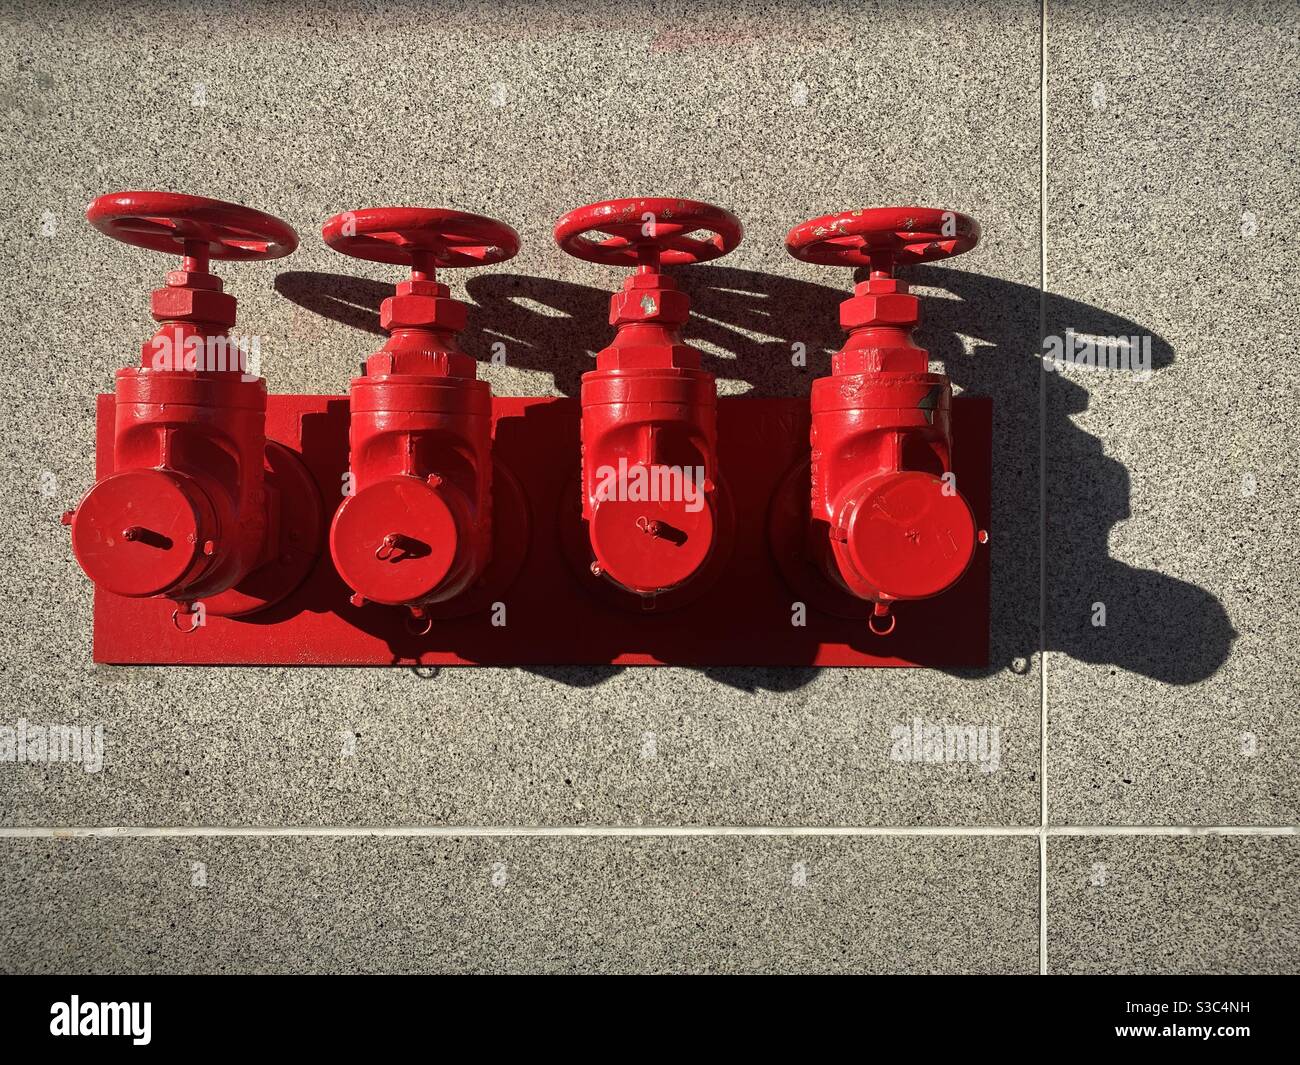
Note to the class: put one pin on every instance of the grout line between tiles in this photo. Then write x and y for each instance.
(1042, 492)
(1172, 830)
(616, 831)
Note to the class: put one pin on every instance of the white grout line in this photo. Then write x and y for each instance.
(622, 831)
(1042, 492)
(1042, 901)
(1173, 830)
(521, 830)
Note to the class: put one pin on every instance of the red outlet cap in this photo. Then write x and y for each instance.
(140, 532)
(396, 540)
(649, 547)
(909, 537)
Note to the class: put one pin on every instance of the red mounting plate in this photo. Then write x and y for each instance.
(552, 617)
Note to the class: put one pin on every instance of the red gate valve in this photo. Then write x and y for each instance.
(417, 528)
(200, 507)
(650, 484)
(887, 521)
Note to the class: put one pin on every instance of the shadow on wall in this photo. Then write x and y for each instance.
(985, 333)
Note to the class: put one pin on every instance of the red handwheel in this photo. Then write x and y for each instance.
(649, 231)
(883, 236)
(423, 238)
(191, 225)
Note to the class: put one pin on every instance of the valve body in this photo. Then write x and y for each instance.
(649, 444)
(417, 528)
(185, 514)
(887, 520)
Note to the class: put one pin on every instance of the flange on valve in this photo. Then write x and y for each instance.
(877, 511)
(200, 506)
(657, 519)
(418, 529)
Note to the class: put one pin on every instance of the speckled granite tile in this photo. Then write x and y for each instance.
(519, 111)
(519, 904)
(1173, 904)
(473, 746)
(1173, 214)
